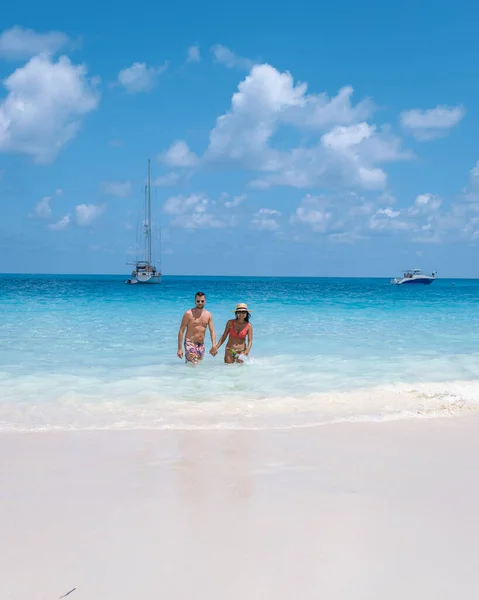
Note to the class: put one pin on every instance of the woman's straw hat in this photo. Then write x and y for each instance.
(242, 306)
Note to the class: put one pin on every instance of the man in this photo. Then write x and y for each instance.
(195, 321)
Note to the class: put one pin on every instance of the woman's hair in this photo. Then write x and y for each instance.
(248, 315)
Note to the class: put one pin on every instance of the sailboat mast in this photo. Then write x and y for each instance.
(148, 257)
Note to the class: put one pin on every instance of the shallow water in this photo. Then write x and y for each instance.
(91, 352)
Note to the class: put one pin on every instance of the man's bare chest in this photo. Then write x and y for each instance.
(198, 321)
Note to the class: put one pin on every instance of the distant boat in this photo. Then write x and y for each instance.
(414, 276)
(145, 271)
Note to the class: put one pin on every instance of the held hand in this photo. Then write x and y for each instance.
(246, 352)
(180, 353)
(213, 351)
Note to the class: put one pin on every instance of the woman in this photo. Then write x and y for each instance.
(239, 330)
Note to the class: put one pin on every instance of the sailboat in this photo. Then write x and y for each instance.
(145, 271)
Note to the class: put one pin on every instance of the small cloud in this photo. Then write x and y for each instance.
(264, 219)
(432, 123)
(87, 213)
(317, 218)
(193, 54)
(61, 224)
(116, 143)
(386, 219)
(388, 212)
(177, 205)
(313, 212)
(475, 173)
(43, 209)
(191, 212)
(121, 189)
(237, 200)
(227, 57)
(139, 77)
(425, 204)
(179, 155)
(19, 43)
(203, 221)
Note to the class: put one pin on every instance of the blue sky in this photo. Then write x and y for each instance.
(292, 139)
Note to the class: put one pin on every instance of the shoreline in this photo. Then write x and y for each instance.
(447, 414)
(354, 510)
(153, 410)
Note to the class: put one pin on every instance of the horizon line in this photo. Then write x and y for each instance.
(234, 276)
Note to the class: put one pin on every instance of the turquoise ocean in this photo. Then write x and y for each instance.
(88, 352)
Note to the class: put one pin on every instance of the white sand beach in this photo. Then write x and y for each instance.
(348, 511)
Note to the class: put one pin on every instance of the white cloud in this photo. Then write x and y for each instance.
(361, 209)
(43, 209)
(266, 219)
(349, 216)
(425, 204)
(203, 221)
(236, 201)
(87, 213)
(475, 173)
(346, 237)
(60, 224)
(388, 212)
(386, 219)
(225, 56)
(139, 77)
(462, 219)
(348, 153)
(471, 192)
(314, 211)
(344, 217)
(121, 189)
(241, 135)
(192, 212)
(179, 155)
(19, 43)
(167, 180)
(319, 111)
(44, 105)
(432, 123)
(194, 54)
(177, 205)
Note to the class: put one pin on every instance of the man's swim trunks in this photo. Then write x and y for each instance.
(194, 351)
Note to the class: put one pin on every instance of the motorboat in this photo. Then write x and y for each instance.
(414, 276)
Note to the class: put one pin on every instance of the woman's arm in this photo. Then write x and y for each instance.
(250, 339)
(224, 336)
